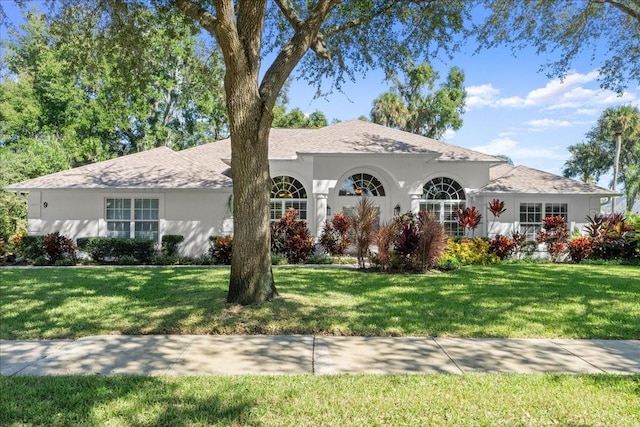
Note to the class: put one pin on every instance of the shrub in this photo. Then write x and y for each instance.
(471, 252)
(580, 248)
(554, 235)
(103, 249)
(385, 238)
(334, 239)
(501, 246)
(221, 248)
(278, 259)
(468, 218)
(29, 247)
(613, 237)
(58, 247)
(448, 263)
(433, 240)
(410, 242)
(290, 237)
(169, 244)
(364, 223)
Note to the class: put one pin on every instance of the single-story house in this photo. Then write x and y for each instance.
(317, 171)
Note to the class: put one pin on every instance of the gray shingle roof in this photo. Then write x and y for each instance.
(521, 179)
(156, 168)
(355, 136)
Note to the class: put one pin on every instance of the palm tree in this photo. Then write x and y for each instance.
(621, 121)
(389, 110)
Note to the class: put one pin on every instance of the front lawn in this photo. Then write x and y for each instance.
(513, 300)
(345, 400)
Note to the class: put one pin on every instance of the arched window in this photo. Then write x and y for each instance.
(287, 192)
(444, 196)
(362, 184)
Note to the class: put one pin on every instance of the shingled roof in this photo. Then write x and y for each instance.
(156, 168)
(521, 179)
(352, 137)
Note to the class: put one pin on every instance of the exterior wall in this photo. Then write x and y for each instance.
(195, 214)
(578, 207)
(402, 175)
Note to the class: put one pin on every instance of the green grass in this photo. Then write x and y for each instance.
(515, 300)
(356, 400)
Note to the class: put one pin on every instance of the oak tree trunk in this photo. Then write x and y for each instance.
(251, 278)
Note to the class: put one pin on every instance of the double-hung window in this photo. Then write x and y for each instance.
(132, 218)
(531, 216)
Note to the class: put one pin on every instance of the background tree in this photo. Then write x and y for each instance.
(608, 29)
(67, 97)
(597, 156)
(414, 106)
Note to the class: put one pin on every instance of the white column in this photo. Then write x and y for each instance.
(321, 212)
(415, 202)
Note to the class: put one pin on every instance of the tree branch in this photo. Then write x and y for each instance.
(317, 45)
(206, 19)
(623, 8)
(305, 36)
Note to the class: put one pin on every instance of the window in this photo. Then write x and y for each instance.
(132, 218)
(286, 193)
(530, 219)
(362, 184)
(531, 216)
(556, 209)
(444, 196)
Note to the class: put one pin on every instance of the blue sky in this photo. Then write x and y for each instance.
(513, 108)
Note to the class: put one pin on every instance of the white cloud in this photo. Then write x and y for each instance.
(516, 151)
(569, 93)
(546, 124)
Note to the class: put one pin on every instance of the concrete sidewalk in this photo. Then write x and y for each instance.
(307, 354)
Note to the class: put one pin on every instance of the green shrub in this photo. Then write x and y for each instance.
(169, 244)
(278, 259)
(220, 249)
(319, 259)
(41, 261)
(448, 263)
(29, 247)
(103, 249)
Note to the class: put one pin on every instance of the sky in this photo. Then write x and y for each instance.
(512, 107)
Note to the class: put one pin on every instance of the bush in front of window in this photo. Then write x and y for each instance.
(290, 237)
(114, 249)
(169, 244)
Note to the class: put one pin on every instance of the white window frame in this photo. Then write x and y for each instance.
(133, 213)
(287, 192)
(531, 228)
(449, 198)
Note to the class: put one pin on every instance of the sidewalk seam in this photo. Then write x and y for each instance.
(313, 356)
(448, 355)
(578, 356)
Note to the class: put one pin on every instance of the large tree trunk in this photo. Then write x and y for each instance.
(251, 278)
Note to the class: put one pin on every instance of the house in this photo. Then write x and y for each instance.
(317, 171)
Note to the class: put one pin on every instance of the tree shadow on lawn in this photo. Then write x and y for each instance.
(495, 301)
(124, 400)
(508, 301)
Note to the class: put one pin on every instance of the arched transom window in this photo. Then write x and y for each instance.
(362, 184)
(444, 196)
(287, 192)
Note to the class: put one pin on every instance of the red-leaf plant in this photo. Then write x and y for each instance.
(468, 218)
(496, 207)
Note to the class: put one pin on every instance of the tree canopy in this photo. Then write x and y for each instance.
(595, 157)
(414, 106)
(561, 30)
